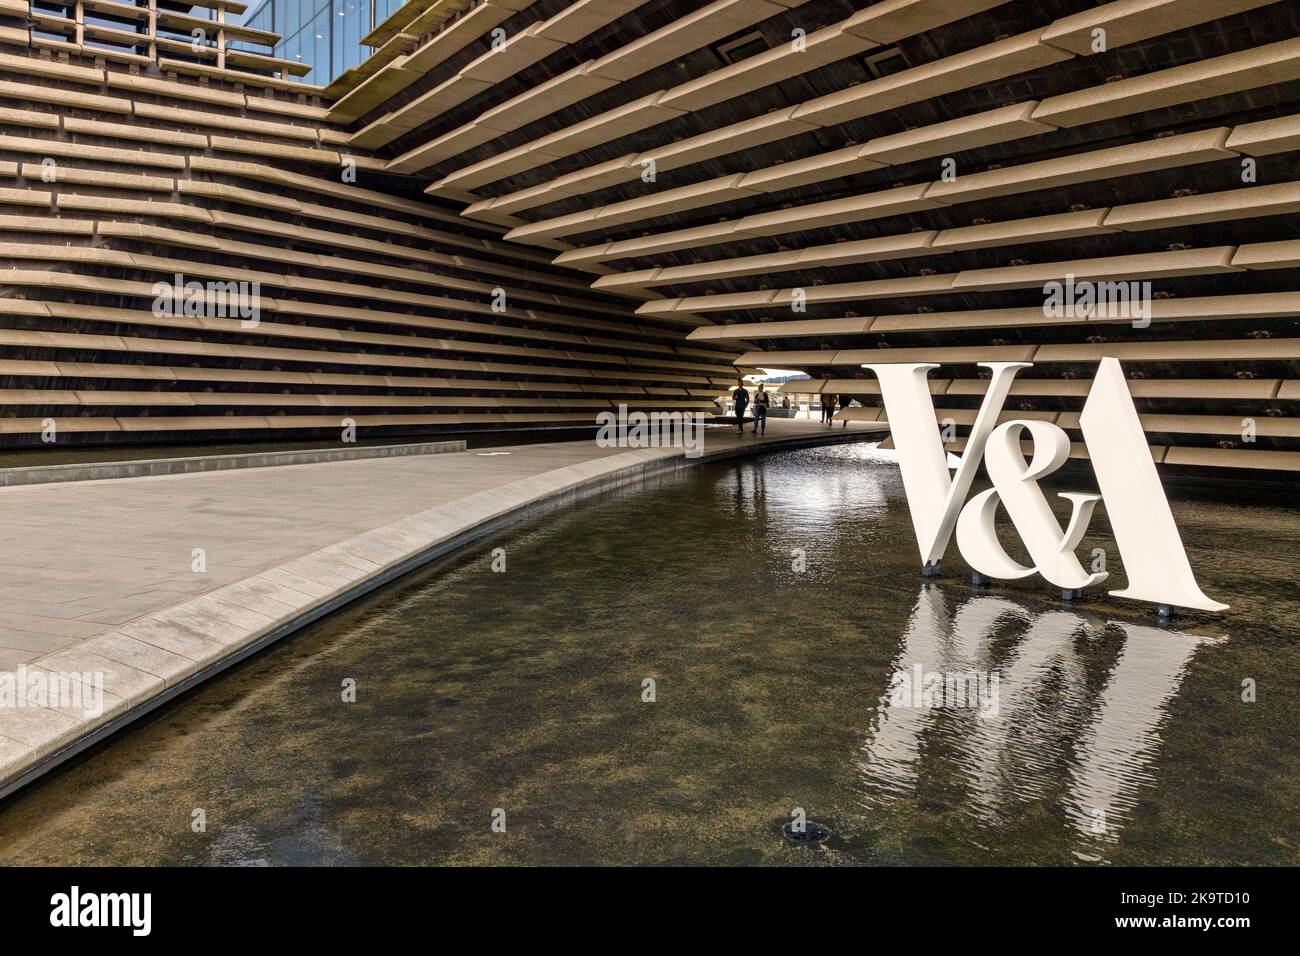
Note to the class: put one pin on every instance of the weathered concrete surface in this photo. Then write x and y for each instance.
(99, 576)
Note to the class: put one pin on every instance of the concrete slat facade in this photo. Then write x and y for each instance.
(898, 179)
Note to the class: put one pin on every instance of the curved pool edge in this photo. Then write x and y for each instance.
(166, 653)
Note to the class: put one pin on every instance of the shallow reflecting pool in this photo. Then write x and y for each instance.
(776, 605)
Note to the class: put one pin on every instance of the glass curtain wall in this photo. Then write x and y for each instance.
(323, 33)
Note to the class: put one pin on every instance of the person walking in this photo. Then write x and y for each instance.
(828, 408)
(845, 402)
(761, 402)
(741, 398)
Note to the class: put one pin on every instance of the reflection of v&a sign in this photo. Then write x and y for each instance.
(1154, 559)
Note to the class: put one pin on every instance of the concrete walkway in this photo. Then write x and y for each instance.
(156, 583)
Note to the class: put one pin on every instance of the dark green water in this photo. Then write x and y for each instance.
(1117, 740)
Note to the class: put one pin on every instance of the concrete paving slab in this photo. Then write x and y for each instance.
(13, 757)
(36, 727)
(116, 678)
(117, 647)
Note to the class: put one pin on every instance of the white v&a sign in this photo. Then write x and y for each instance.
(1154, 559)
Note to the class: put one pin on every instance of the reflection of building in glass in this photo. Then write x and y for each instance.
(323, 33)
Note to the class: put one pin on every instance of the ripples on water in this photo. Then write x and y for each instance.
(773, 601)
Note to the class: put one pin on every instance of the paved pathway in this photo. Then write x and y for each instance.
(99, 576)
(80, 558)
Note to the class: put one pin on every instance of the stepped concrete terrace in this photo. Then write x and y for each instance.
(99, 574)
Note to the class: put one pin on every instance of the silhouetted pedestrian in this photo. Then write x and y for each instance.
(761, 402)
(741, 397)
